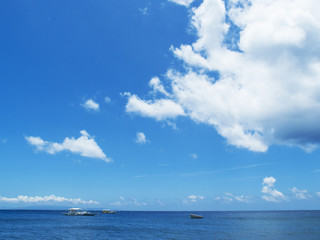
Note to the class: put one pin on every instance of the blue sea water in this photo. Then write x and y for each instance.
(262, 225)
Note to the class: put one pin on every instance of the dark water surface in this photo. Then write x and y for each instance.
(161, 225)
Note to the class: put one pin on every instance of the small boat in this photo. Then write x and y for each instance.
(78, 212)
(194, 216)
(108, 211)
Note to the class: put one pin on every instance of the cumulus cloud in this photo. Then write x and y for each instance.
(300, 194)
(318, 194)
(91, 105)
(253, 73)
(141, 138)
(50, 198)
(185, 3)
(157, 86)
(271, 194)
(229, 197)
(85, 145)
(159, 109)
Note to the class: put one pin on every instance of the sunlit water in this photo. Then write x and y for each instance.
(161, 225)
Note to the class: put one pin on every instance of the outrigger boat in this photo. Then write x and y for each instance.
(108, 211)
(78, 212)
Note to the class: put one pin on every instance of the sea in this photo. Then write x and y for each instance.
(262, 225)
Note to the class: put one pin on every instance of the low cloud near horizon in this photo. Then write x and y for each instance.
(271, 194)
(50, 198)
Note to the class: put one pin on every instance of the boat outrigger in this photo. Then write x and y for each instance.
(78, 212)
(108, 211)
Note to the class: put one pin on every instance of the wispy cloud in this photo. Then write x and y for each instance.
(50, 198)
(199, 173)
(127, 202)
(243, 198)
(194, 156)
(185, 3)
(164, 164)
(85, 145)
(229, 197)
(193, 174)
(154, 175)
(107, 100)
(91, 105)
(144, 11)
(172, 125)
(300, 194)
(160, 203)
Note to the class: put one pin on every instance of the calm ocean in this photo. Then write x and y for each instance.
(161, 225)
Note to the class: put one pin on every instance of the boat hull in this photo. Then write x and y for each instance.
(84, 214)
(194, 216)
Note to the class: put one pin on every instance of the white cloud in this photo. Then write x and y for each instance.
(300, 194)
(271, 194)
(229, 197)
(159, 109)
(157, 86)
(269, 181)
(141, 138)
(185, 3)
(243, 198)
(192, 199)
(258, 86)
(160, 203)
(85, 145)
(128, 202)
(50, 198)
(37, 141)
(92, 105)
(318, 194)
(172, 124)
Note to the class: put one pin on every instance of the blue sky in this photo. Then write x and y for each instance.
(160, 105)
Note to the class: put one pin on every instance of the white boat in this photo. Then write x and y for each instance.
(78, 212)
